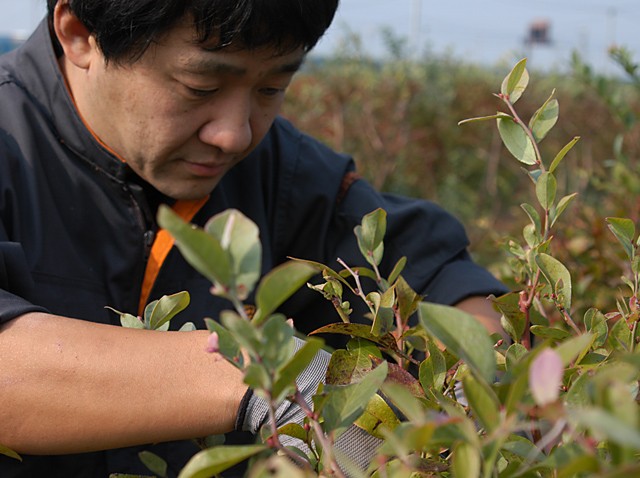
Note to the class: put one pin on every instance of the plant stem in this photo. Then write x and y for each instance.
(337, 304)
(359, 292)
(276, 439)
(569, 320)
(326, 444)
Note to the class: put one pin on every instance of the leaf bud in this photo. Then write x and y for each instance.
(213, 343)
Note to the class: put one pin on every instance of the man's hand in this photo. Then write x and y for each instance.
(482, 309)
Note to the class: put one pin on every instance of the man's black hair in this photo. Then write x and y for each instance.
(124, 29)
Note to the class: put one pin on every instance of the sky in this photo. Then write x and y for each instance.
(480, 31)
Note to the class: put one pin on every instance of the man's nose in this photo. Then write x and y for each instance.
(229, 128)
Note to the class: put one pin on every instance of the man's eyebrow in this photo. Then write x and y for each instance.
(216, 66)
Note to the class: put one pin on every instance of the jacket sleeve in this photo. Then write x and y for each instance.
(323, 208)
(16, 283)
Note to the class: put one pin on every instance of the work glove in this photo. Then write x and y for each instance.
(355, 445)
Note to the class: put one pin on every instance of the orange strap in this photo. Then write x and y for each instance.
(161, 247)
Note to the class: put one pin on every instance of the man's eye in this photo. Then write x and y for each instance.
(201, 93)
(272, 91)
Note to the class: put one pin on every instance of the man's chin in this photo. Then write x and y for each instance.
(188, 191)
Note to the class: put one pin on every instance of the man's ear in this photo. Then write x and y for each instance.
(77, 42)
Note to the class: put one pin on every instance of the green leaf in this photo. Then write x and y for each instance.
(462, 335)
(201, 250)
(433, 370)
(294, 430)
(483, 402)
(154, 463)
(257, 377)
(482, 118)
(579, 394)
(243, 332)
(553, 333)
(370, 235)
(518, 388)
(278, 285)
(377, 418)
(286, 376)
(575, 348)
(131, 322)
(620, 400)
(520, 447)
(509, 307)
(279, 466)
(229, 347)
(364, 348)
(584, 465)
(239, 236)
(563, 152)
(596, 323)
(344, 404)
(533, 216)
(546, 189)
(408, 299)
(277, 344)
(10, 453)
(560, 208)
(466, 461)
(215, 460)
(558, 277)
(544, 119)
(187, 327)
(625, 230)
(606, 426)
(515, 352)
(405, 401)
(397, 270)
(165, 309)
(620, 336)
(382, 311)
(516, 141)
(516, 81)
(346, 367)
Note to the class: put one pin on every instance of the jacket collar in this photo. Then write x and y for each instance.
(38, 71)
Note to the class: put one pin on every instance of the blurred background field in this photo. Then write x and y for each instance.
(398, 118)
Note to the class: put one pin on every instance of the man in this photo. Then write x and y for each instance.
(112, 108)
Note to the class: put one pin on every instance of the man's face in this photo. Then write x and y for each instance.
(183, 115)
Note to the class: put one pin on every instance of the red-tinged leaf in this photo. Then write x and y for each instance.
(401, 377)
(362, 331)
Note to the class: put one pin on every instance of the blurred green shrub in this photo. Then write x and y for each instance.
(396, 117)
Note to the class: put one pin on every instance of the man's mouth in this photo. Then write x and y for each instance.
(206, 170)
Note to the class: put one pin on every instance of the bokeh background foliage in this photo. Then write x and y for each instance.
(398, 118)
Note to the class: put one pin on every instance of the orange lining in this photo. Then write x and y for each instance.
(86, 125)
(161, 247)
